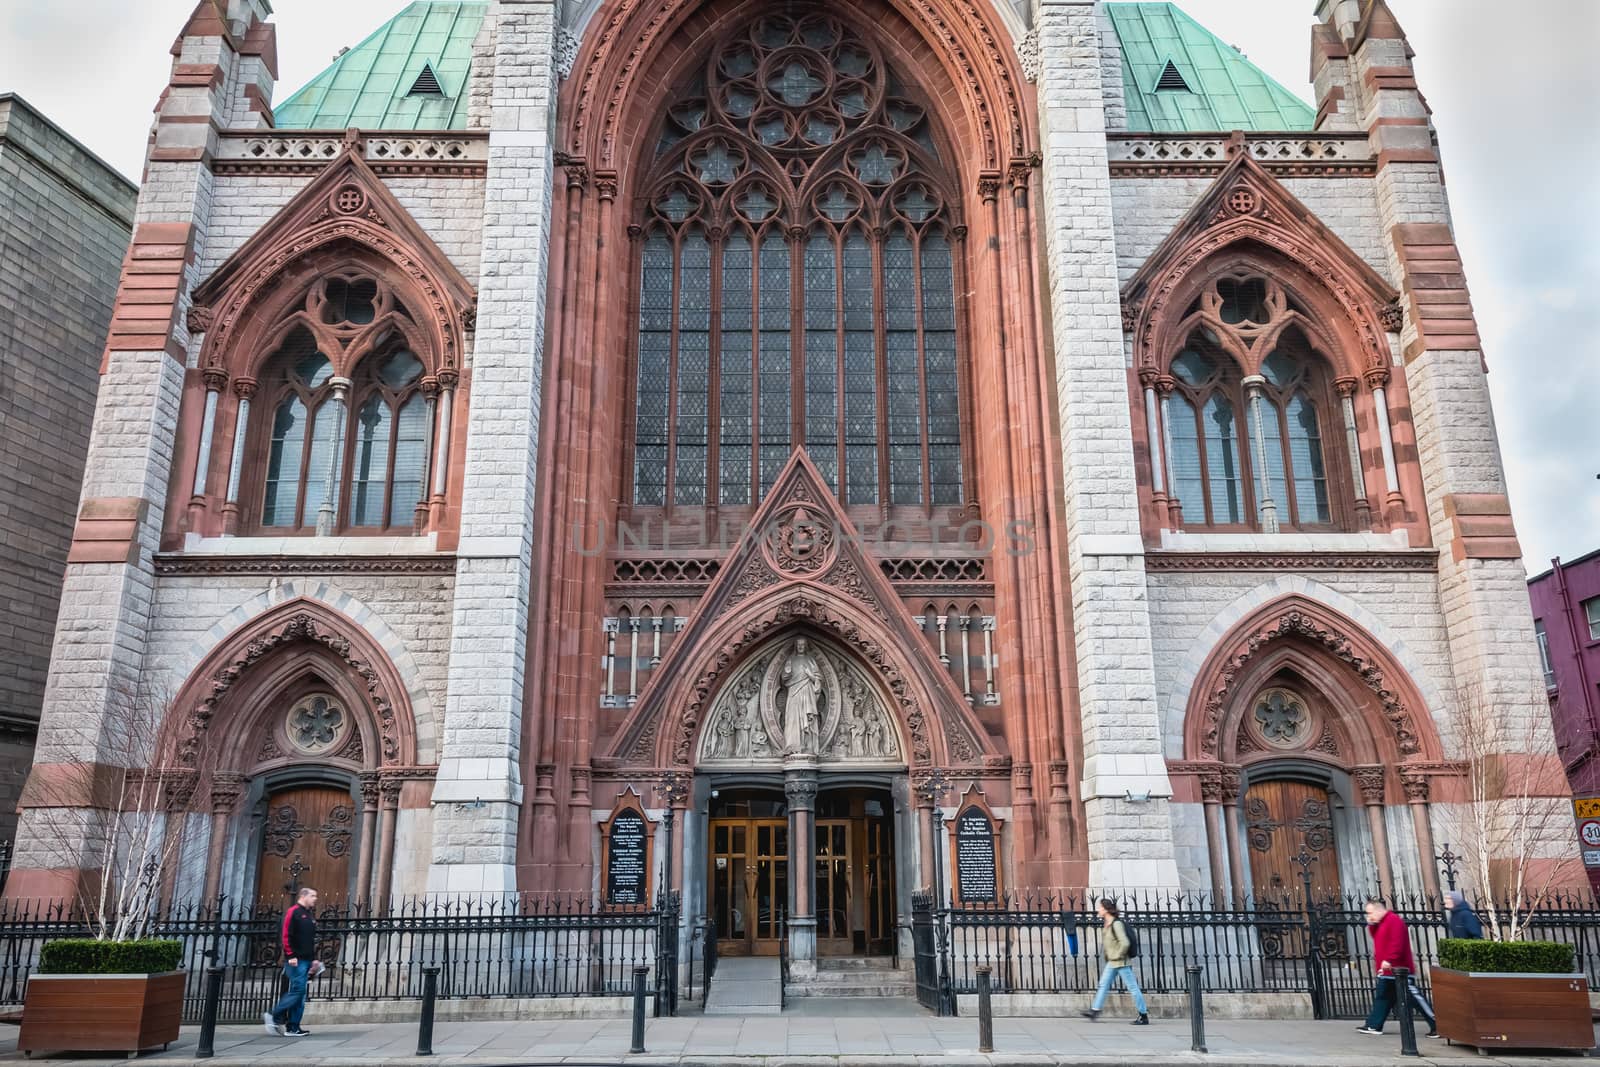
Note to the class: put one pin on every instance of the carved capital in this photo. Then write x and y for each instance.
(449, 378)
(1416, 785)
(216, 379)
(1211, 788)
(1392, 316)
(577, 175)
(1377, 377)
(1370, 781)
(989, 187)
(430, 387)
(369, 789)
(389, 788)
(1346, 386)
(1149, 377)
(244, 388)
(605, 184)
(1130, 316)
(801, 793)
(226, 790)
(1232, 784)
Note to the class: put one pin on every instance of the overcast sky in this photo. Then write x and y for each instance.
(1513, 90)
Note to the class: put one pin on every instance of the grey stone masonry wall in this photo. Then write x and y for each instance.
(474, 849)
(65, 220)
(1125, 789)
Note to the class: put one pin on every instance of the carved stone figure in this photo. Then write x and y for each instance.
(802, 709)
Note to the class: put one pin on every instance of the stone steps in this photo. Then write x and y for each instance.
(854, 977)
(748, 985)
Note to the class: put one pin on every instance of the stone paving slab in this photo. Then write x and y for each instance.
(818, 1041)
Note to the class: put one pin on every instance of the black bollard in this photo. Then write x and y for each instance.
(985, 1013)
(639, 975)
(208, 1015)
(1402, 1008)
(1197, 1013)
(430, 993)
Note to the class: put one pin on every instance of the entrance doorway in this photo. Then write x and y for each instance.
(852, 871)
(749, 876)
(306, 842)
(1281, 819)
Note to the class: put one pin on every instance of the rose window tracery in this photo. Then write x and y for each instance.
(1281, 718)
(316, 724)
(797, 279)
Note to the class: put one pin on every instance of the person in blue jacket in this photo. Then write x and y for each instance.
(1460, 917)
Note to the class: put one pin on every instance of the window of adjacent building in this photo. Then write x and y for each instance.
(797, 280)
(1238, 450)
(1544, 653)
(351, 453)
(1591, 610)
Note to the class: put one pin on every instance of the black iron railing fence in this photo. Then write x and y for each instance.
(512, 946)
(1050, 943)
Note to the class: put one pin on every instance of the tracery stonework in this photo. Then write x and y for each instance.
(757, 718)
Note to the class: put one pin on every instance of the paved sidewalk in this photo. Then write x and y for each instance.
(825, 1034)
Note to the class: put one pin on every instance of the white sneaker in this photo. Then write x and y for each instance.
(272, 1027)
(1367, 1030)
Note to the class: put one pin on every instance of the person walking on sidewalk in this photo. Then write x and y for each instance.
(1391, 948)
(1118, 946)
(1462, 920)
(298, 939)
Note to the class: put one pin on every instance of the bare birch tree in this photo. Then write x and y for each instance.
(1515, 831)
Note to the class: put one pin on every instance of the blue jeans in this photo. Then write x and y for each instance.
(292, 1005)
(1384, 1000)
(1128, 980)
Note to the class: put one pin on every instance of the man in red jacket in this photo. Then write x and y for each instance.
(298, 938)
(1391, 948)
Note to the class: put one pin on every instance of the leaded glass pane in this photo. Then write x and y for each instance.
(822, 356)
(860, 374)
(655, 360)
(400, 369)
(1266, 412)
(904, 401)
(694, 369)
(1280, 369)
(939, 368)
(733, 380)
(774, 327)
(322, 469)
(1243, 300)
(370, 472)
(410, 460)
(1224, 471)
(283, 463)
(1305, 454)
(1188, 476)
(1192, 367)
(315, 369)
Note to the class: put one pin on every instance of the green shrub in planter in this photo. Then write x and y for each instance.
(88, 956)
(1505, 957)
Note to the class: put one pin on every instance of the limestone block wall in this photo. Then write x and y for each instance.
(449, 210)
(65, 221)
(1147, 209)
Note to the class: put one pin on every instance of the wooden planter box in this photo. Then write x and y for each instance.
(101, 1012)
(1490, 1010)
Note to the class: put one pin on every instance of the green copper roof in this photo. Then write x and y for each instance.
(1226, 90)
(370, 85)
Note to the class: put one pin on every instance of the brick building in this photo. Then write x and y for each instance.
(65, 218)
(1566, 623)
(791, 419)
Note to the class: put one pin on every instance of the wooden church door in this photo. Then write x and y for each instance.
(307, 842)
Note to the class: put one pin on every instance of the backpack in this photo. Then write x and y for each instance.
(1133, 938)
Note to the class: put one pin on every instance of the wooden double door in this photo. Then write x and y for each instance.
(1283, 821)
(308, 839)
(852, 872)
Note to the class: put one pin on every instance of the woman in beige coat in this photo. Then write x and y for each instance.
(1115, 945)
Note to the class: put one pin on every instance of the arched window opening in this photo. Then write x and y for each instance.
(796, 280)
(1250, 450)
(348, 455)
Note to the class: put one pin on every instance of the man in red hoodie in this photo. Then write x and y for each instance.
(1391, 948)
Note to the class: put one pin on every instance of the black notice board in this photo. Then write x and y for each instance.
(975, 857)
(626, 875)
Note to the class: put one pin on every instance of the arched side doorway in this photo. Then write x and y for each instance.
(1310, 741)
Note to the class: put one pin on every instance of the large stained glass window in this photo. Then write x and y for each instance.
(796, 280)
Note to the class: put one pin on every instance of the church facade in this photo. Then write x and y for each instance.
(795, 453)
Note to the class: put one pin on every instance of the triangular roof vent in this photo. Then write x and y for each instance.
(1171, 80)
(427, 83)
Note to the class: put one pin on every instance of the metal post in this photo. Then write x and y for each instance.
(639, 974)
(430, 993)
(985, 1016)
(1319, 1005)
(1402, 1008)
(208, 1015)
(1197, 1012)
(1449, 859)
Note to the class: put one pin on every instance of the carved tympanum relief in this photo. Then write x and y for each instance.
(799, 698)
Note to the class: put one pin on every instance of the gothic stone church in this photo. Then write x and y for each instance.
(792, 451)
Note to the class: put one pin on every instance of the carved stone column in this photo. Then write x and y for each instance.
(1370, 782)
(226, 789)
(800, 787)
(389, 792)
(177, 793)
(1415, 783)
(369, 831)
(1232, 787)
(1211, 794)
